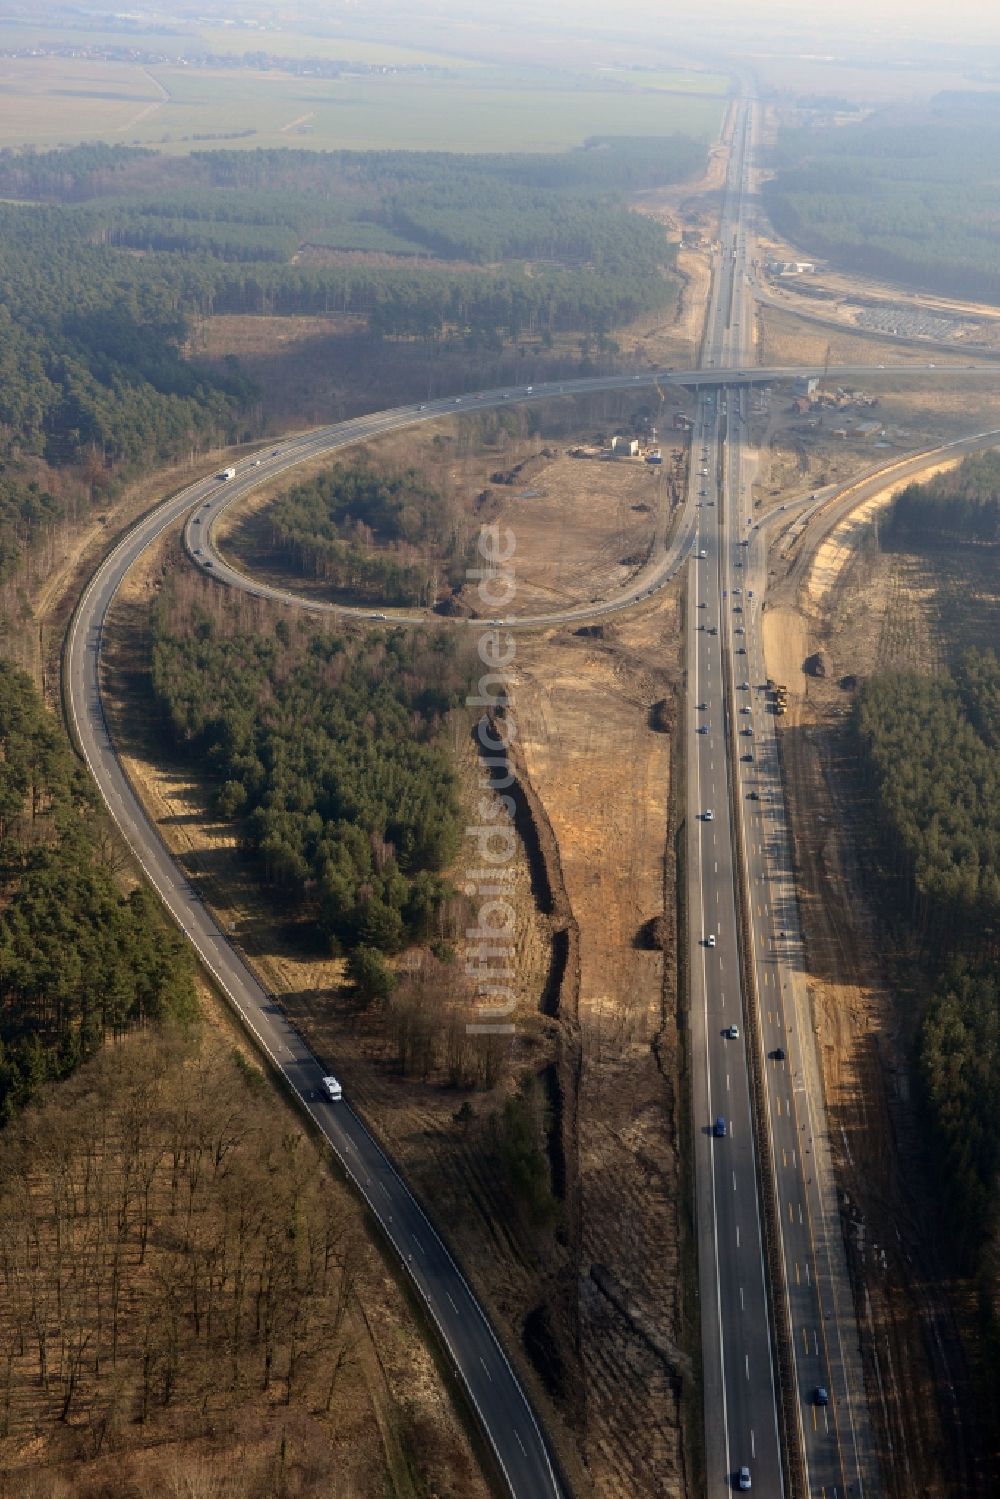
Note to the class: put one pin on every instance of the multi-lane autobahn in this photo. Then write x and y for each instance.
(742, 1395)
(779, 1336)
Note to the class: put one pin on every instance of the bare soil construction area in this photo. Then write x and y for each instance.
(785, 338)
(867, 608)
(583, 525)
(594, 712)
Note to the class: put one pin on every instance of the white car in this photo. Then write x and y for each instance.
(332, 1089)
(709, 815)
(710, 940)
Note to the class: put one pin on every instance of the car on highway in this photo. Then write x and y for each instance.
(332, 1089)
(746, 730)
(746, 708)
(737, 563)
(744, 686)
(720, 1128)
(748, 759)
(741, 650)
(778, 1054)
(732, 1033)
(743, 1479)
(708, 815)
(753, 796)
(710, 940)
(208, 562)
(377, 616)
(821, 1396)
(739, 630)
(703, 729)
(702, 604)
(700, 707)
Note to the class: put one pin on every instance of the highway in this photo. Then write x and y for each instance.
(477, 1358)
(741, 1399)
(740, 1373)
(796, 1414)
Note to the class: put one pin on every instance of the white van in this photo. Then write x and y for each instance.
(333, 1089)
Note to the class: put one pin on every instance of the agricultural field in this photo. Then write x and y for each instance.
(48, 101)
(56, 101)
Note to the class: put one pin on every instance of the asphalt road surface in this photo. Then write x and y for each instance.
(492, 1387)
(740, 1387)
(740, 1376)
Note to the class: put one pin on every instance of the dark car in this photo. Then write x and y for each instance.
(821, 1396)
(720, 1128)
(778, 1054)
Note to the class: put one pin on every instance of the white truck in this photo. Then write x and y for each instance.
(226, 473)
(332, 1089)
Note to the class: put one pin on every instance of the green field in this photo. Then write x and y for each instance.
(53, 101)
